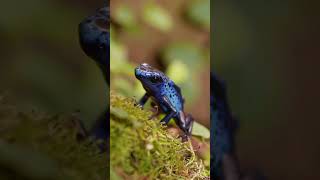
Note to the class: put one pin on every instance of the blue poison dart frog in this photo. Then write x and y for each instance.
(95, 42)
(222, 133)
(166, 94)
(95, 39)
(224, 163)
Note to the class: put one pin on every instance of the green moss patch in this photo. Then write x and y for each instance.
(35, 145)
(142, 148)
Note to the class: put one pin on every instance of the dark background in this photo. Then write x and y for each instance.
(268, 53)
(43, 68)
(41, 63)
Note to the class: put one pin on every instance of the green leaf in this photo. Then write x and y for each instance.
(187, 52)
(178, 71)
(200, 130)
(199, 13)
(157, 17)
(118, 56)
(124, 16)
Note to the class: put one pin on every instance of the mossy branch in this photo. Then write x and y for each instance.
(143, 148)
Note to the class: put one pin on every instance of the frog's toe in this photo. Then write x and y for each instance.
(138, 105)
(184, 137)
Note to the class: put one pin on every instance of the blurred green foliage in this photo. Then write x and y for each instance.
(198, 12)
(199, 130)
(124, 16)
(157, 17)
(182, 59)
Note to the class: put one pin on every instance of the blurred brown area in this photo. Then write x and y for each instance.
(42, 65)
(268, 52)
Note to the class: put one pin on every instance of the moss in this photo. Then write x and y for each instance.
(36, 145)
(142, 148)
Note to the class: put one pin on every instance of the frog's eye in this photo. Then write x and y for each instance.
(156, 79)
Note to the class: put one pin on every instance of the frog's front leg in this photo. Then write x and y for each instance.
(144, 99)
(167, 118)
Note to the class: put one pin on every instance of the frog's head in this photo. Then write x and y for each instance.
(94, 39)
(149, 76)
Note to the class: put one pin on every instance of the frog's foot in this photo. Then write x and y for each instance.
(185, 123)
(189, 124)
(136, 104)
(184, 137)
(144, 99)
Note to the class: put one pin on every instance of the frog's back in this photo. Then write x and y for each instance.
(173, 93)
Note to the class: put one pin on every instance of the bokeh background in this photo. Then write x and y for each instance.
(172, 36)
(268, 53)
(42, 65)
(43, 68)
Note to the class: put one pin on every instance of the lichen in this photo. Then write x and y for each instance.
(143, 148)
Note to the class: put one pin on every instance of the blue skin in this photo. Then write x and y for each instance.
(223, 132)
(223, 127)
(95, 39)
(95, 42)
(167, 96)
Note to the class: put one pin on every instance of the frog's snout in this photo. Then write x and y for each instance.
(137, 72)
(144, 67)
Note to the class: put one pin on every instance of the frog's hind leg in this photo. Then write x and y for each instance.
(185, 124)
(189, 124)
(167, 118)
